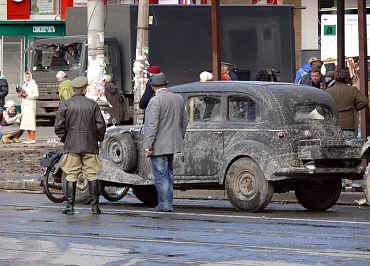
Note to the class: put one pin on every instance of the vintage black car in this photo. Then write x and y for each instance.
(252, 139)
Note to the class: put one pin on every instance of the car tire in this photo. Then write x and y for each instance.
(120, 149)
(146, 194)
(366, 184)
(319, 196)
(246, 186)
(82, 188)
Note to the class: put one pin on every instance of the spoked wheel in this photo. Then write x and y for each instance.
(53, 183)
(82, 188)
(246, 186)
(113, 193)
(319, 196)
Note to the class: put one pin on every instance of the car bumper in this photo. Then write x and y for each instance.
(311, 171)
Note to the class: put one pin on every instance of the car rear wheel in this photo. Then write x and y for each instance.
(146, 194)
(319, 196)
(120, 149)
(246, 186)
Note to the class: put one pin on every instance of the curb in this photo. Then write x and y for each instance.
(34, 183)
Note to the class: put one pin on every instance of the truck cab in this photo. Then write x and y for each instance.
(69, 54)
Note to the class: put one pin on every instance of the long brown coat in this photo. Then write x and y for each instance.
(349, 100)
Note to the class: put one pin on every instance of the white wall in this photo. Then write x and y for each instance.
(3, 10)
(310, 22)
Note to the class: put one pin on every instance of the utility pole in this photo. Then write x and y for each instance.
(96, 65)
(142, 58)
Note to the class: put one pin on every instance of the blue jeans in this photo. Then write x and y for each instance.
(162, 168)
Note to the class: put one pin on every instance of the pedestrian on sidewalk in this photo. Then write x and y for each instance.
(349, 101)
(65, 88)
(9, 126)
(29, 93)
(149, 92)
(80, 125)
(164, 131)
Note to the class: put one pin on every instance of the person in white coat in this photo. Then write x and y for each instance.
(28, 95)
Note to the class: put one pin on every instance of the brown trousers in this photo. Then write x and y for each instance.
(75, 163)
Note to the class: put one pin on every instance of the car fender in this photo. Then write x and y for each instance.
(365, 150)
(262, 154)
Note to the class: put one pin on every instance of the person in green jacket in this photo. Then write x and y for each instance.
(65, 89)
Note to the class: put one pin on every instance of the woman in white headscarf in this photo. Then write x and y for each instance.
(10, 121)
(29, 94)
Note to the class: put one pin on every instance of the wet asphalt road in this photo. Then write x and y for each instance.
(198, 232)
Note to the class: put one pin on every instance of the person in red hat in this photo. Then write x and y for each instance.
(149, 92)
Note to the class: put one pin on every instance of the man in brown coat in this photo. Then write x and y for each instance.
(349, 101)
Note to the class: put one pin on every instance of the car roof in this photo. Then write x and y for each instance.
(284, 93)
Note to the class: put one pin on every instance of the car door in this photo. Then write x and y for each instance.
(204, 137)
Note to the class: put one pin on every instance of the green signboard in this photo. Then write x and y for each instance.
(330, 30)
(32, 28)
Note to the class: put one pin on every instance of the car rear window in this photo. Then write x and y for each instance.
(204, 109)
(312, 112)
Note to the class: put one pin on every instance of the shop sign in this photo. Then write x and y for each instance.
(78, 3)
(43, 29)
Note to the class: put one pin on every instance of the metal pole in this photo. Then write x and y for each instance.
(142, 58)
(96, 65)
(364, 113)
(216, 40)
(340, 35)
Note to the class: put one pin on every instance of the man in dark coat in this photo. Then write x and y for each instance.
(349, 101)
(80, 125)
(3, 91)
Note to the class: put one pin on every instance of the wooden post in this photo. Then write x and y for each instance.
(340, 35)
(216, 40)
(142, 58)
(364, 113)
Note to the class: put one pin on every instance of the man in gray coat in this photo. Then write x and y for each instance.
(165, 127)
(80, 125)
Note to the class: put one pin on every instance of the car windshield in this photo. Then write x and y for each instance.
(57, 56)
(312, 112)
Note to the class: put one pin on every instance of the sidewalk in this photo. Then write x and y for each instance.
(20, 169)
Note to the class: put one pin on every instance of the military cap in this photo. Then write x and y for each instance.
(79, 83)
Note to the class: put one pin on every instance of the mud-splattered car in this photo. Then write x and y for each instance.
(252, 139)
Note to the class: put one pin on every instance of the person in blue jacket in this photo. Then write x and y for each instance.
(149, 92)
(305, 69)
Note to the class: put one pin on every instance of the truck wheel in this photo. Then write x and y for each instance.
(246, 186)
(120, 149)
(366, 183)
(319, 196)
(146, 194)
(82, 188)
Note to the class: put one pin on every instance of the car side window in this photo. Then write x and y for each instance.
(204, 108)
(242, 109)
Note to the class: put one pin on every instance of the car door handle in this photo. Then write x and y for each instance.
(219, 133)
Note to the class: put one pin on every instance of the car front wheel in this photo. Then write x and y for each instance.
(319, 196)
(366, 183)
(246, 186)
